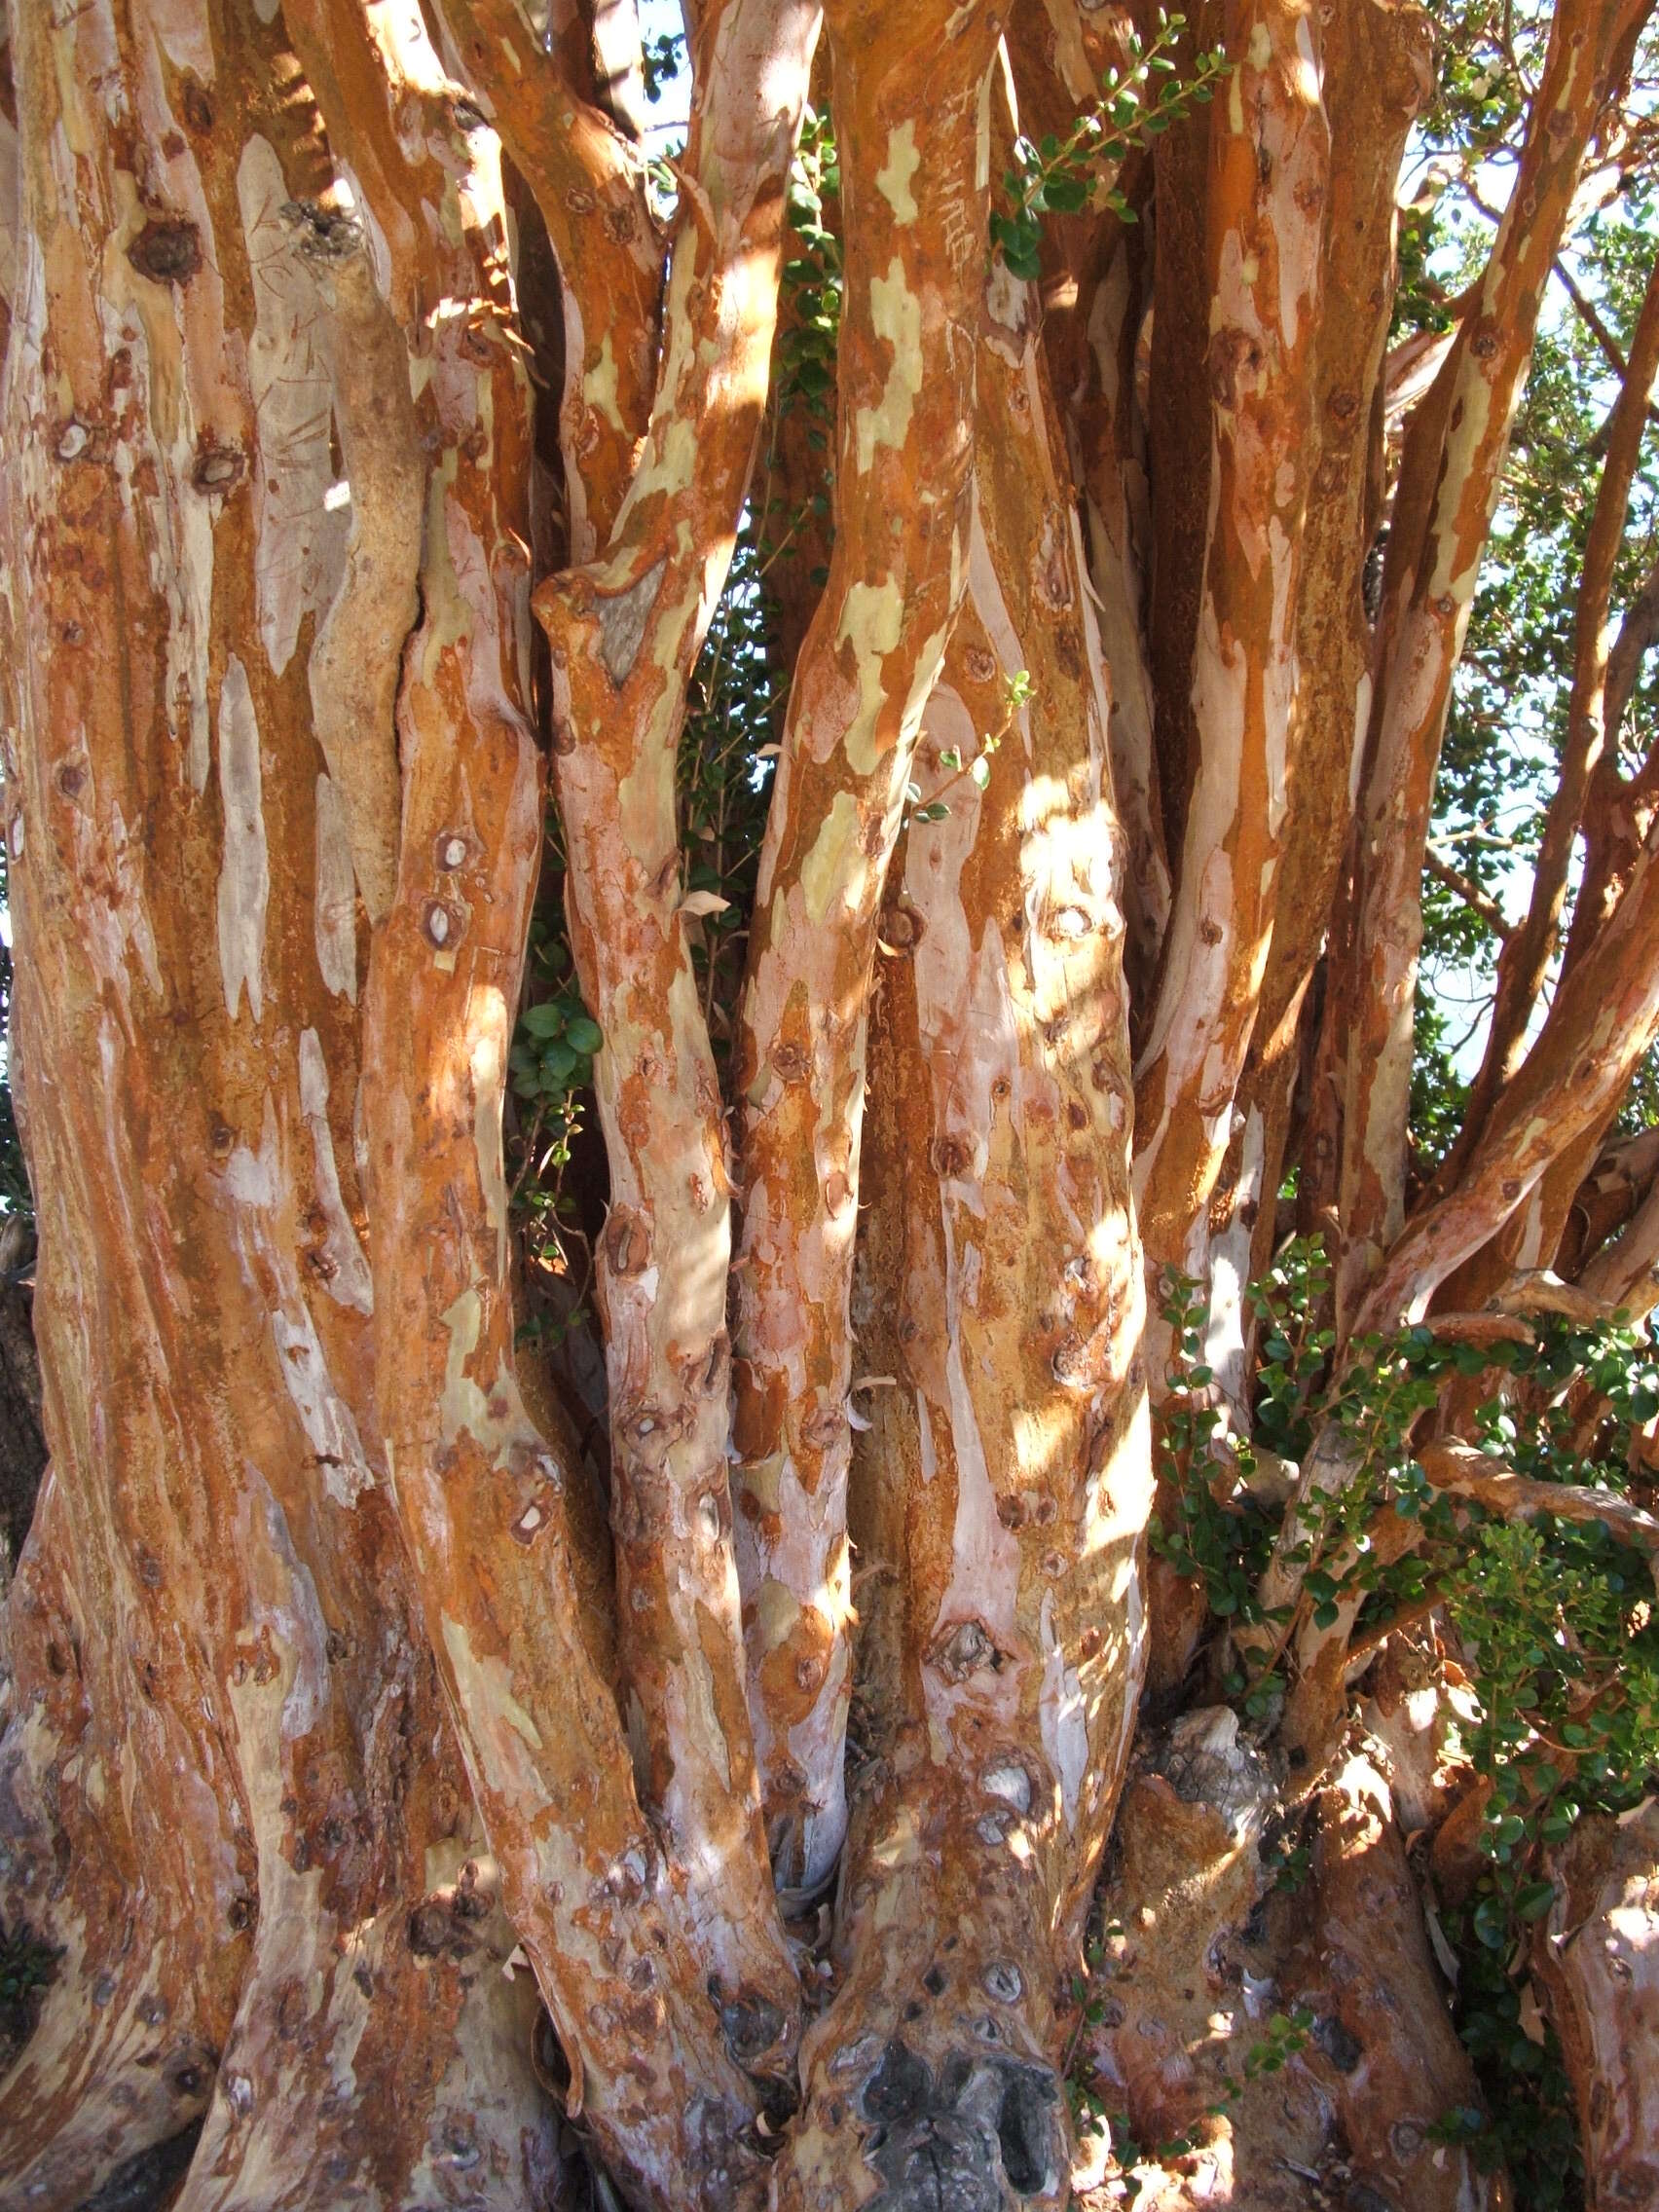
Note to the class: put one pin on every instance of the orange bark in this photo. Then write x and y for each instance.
(914, 195)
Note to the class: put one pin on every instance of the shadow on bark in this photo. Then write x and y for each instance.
(23, 1447)
(148, 2181)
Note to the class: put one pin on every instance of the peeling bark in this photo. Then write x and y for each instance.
(1375, 81)
(624, 635)
(228, 1776)
(601, 1907)
(340, 1736)
(1269, 173)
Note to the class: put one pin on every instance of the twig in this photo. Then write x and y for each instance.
(1479, 902)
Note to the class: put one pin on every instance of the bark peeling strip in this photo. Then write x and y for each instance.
(301, 540)
(347, 1281)
(336, 894)
(244, 875)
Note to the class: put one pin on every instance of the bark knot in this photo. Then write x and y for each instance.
(168, 251)
(959, 2139)
(325, 234)
(964, 1649)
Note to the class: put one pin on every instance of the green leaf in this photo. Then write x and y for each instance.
(1067, 195)
(1490, 1924)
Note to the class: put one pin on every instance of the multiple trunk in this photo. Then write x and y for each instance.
(342, 1734)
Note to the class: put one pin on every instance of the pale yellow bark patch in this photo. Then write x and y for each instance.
(244, 875)
(485, 1686)
(893, 181)
(488, 1012)
(895, 314)
(872, 618)
(599, 385)
(825, 868)
(448, 617)
(777, 1610)
(336, 917)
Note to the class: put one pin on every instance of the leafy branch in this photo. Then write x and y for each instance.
(1062, 176)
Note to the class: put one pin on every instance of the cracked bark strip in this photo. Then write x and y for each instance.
(624, 635)
(1269, 163)
(214, 1678)
(1450, 479)
(1002, 1488)
(614, 1929)
(914, 186)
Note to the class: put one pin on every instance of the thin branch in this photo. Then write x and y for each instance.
(1638, 632)
(1463, 1472)
(1478, 902)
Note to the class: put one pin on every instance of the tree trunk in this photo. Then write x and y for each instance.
(375, 1819)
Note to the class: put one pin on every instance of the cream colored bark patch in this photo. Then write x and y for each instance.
(299, 540)
(599, 386)
(485, 1686)
(348, 1282)
(244, 873)
(825, 870)
(336, 894)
